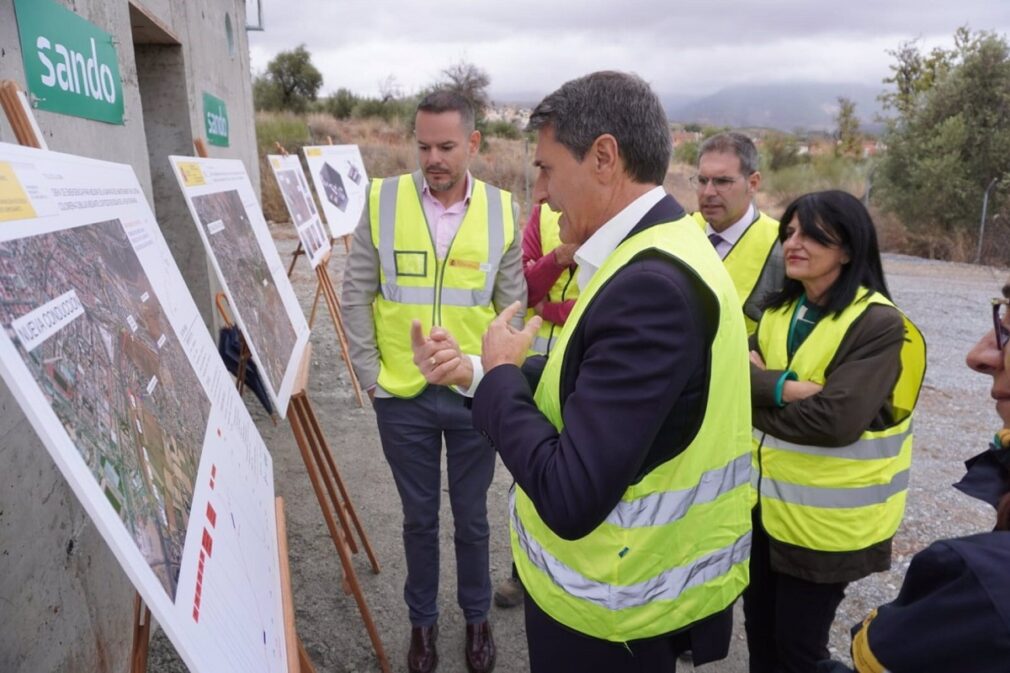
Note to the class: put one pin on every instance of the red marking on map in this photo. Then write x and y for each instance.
(211, 516)
(208, 543)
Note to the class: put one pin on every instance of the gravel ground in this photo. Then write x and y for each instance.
(949, 303)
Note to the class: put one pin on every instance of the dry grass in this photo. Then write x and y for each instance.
(387, 150)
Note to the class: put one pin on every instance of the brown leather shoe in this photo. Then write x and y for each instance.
(480, 649)
(422, 657)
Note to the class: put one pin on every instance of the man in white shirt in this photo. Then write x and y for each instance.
(745, 238)
(630, 518)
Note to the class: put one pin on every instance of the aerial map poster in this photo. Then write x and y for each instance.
(301, 206)
(338, 174)
(262, 300)
(108, 357)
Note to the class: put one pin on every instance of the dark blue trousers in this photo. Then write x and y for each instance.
(412, 432)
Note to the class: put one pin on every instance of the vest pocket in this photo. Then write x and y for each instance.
(412, 263)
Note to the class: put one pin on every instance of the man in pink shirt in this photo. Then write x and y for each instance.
(442, 248)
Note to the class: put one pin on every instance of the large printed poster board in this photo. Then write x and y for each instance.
(338, 174)
(228, 217)
(108, 357)
(301, 206)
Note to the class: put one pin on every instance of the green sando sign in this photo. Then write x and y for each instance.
(215, 119)
(71, 66)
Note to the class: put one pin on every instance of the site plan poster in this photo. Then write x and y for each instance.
(263, 303)
(301, 206)
(338, 174)
(106, 353)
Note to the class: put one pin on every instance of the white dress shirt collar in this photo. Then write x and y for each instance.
(594, 252)
(732, 233)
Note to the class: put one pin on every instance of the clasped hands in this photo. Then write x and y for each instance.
(441, 362)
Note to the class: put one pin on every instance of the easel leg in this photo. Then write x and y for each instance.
(299, 427)
(294, 258)
(141, 635)
(333, 304)
(345, 500)
(315, 304)
(347, 243)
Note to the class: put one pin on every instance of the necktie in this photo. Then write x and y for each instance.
(716, 239)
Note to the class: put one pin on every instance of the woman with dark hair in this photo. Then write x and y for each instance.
(836, 371)
(953, 610)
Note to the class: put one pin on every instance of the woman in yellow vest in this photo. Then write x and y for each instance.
(836, 371)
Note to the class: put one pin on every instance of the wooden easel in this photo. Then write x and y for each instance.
(324, 286)
(16, 108)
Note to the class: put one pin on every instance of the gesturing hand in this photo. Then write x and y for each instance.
(504, 344)
(438, 357)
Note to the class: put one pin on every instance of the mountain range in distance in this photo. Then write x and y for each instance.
(789, 107)
(786, 107)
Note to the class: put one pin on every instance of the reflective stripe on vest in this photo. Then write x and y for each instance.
(659, 508)
(843, 498)
(834, 498)
(666, 586)
(864, 448)
(747, 258)
(674, 550)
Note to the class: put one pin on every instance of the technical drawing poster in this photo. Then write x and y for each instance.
(338, 174)
(301, 206)
(224, 208)
(108, 357)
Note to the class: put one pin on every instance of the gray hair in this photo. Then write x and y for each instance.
(736, 143)
(617, 103)
(446, 100)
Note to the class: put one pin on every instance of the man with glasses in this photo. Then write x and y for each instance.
(745, 238)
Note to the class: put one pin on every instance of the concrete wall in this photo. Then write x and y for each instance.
(65, 605)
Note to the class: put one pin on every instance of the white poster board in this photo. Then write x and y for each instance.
(341, 182)
(224, 208)
(301, 206)
(107, 355)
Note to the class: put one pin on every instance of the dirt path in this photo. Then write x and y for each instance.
(949, 302)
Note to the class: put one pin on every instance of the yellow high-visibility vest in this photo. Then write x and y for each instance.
(747, 258)
(564, 287)
(455, 292)
(836, 498)
(676, 547)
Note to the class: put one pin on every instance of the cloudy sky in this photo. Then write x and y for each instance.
(529, 47)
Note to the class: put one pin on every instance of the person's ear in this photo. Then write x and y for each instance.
(474, 143)
(606, 156)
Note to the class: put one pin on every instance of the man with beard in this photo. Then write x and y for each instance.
(442, 248)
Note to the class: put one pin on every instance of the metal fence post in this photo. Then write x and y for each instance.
(981, 226)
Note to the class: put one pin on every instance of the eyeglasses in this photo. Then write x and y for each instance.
(721, 183)
(999, 328)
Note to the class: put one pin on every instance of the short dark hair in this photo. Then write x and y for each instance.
(732, 142)
(617, 103)
(835, 217)
(445, 100)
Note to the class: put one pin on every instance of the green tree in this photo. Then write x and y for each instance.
(780, 151)
(850, 142)
(290, 82)
(951, 134)
(341, 104)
